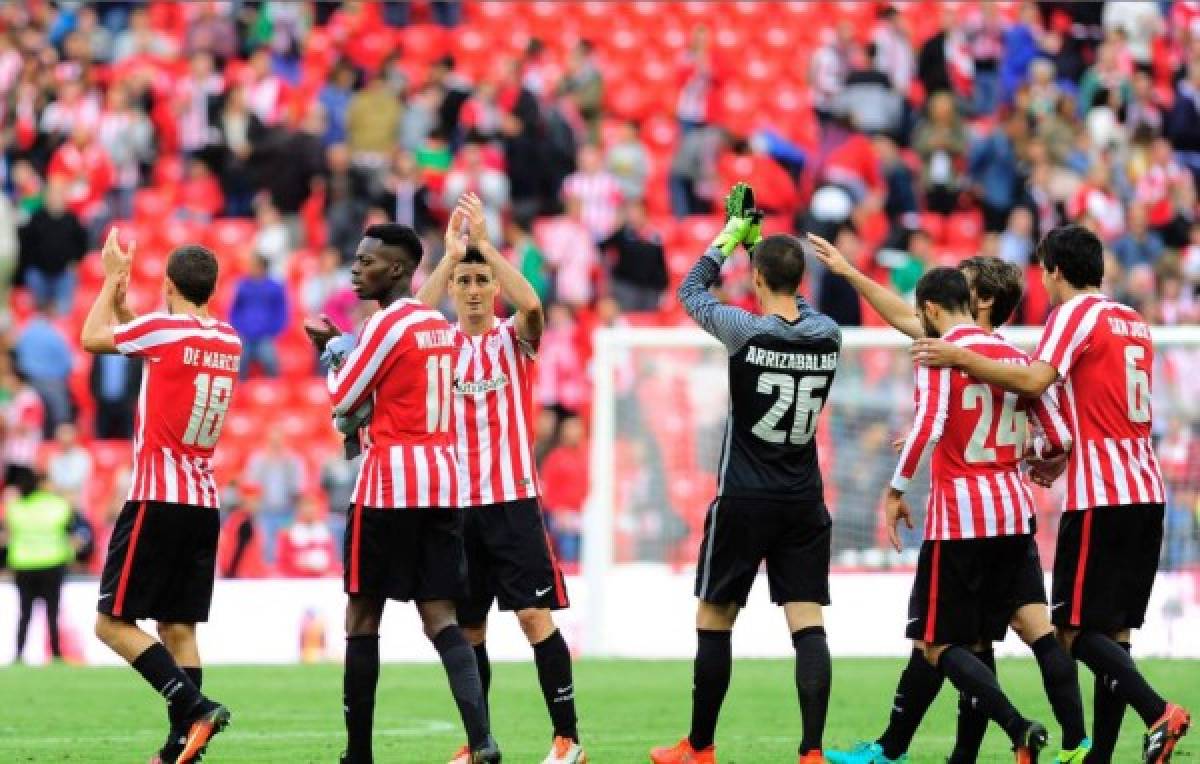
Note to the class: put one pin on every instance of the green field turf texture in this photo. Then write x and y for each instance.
(292, 715)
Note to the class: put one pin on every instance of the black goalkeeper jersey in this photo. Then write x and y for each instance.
(780, 374)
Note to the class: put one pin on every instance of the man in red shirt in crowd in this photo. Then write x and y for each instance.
(305, 548)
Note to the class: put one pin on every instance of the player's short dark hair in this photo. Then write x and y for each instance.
(780, 259)
(401, 239)
(1076, 253)
(193, 270)
(945, 287)
(1001, 281)
(474, 256)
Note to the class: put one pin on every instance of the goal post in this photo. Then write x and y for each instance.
(658, 413)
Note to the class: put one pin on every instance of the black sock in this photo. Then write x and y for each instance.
(1108, 711)
(1107, 660)
(359, 679)
(553, 659)
(1061, 680)
(485, 672)
(196, 674)
(814, 677)
(972, 721)
(158, 668)
(459, 661)
(710, 680)
(918, 686)
(971, 677)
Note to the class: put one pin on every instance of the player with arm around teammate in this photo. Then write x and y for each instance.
(162, 554)
(770, 499)
(404, 536)
(995, 288)
(509, 557)
(1096, 356)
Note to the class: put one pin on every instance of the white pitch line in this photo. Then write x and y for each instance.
(425, 727)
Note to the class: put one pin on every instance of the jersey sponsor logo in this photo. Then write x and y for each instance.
(483, 386)
(791, 361)
(211, 359)
(435, 338)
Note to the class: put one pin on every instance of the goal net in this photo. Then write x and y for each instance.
(660, 402)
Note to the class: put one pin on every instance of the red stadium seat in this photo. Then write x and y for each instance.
(964, 231)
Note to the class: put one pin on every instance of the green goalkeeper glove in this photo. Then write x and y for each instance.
(742, 218)
(731, 235)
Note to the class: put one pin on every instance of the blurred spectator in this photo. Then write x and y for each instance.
(1095, 199)
(1183, 124)
(287, 163)
(1166, 190)
(335, 97)
(278, 472)
(211, 30)
(565, 488)
(330, 278)
(1017, 241)
(347, 194)
(1139, 245)
(259, 314)
(141, 39)
(868, 99)
(127, 136)
(584, 82)
(628, 162)
(53, 243)
(828, 68)
(373, 123)
(84, 168)
(405, 195)
(528, 258)
(693, 171)
(75, 109)
(420, 116)
(598, 193)
(271, 239)
(836, 298)
(1139, 23)
(899, 181)
(638, 269)
(44, 358)
(907, 263)
(893, 49)
(992, 166)
(455, 90)
(264, 89)
(23, 416)
(774, 191)
(472, 173)
(1104, 80)
(114, 382)
(240, 545)
(562, 383)
(196, 100)
(97, 38)
(571, 252)
(933, 66)
(698, 82)
(1021, 48)
(446, 13)
(200, 199)
(985, 44)
(235, 134)
(70, 466)
(10, 248)
(306, 548)
(941, 142)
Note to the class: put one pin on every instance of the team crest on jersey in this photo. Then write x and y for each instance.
(493, 344)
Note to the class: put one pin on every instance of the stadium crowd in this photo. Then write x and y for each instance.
(600, 138)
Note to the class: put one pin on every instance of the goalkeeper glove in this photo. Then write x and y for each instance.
(739, 204)
(731, 235)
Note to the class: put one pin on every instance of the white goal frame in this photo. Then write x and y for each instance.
(597, 551)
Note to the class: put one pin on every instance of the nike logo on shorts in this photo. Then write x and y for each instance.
(913, 620)
(1056, 606)
(106, 595)
(541, 592)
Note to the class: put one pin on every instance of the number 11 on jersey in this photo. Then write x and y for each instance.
(438, 393)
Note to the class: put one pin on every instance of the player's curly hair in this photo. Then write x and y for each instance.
(193, 270)
(1076, 253)
(945, 287)
(400, 238)
(780, 259)
(995, 279)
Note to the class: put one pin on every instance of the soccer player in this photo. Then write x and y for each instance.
(995, 288)
(770, 500)
(162, 554)
(1111, 532)
(508, 553)
(404, 536)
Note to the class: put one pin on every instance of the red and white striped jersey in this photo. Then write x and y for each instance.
(980, 431)
(24, 418)
(190, 370)
(403, 365)
(493, 409)
(1104, 357)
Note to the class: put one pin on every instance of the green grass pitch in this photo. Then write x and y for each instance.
(292, 715)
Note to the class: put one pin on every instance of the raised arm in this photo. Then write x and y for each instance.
(531, 318)
(732, 326)
(108, 311)
(433, 291)
(887, 303)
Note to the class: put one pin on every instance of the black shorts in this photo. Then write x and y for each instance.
(1104, 566)
(968, 591)
(161, 563)
(740, 533)
(405, 554)
(509, 559)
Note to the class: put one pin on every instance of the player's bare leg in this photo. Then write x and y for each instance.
(1059, 678)
(814, 674)
(971, 677)
(458, 658)
(154, 662)
(1119, 683)
(360, 675)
